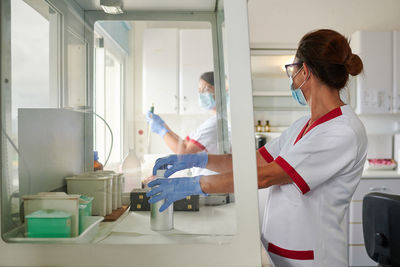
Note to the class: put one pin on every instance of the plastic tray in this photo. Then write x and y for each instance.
(91, 229)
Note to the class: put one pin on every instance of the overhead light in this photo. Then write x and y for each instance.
(113, 7)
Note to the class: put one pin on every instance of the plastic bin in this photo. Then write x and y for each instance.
(91, 227)
(116, 188)
(54, 201)
(92, 186)
(111, 192)
(85, 210)
(48, 223)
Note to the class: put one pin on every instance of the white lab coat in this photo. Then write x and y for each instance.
(205, 137)
(302, 223)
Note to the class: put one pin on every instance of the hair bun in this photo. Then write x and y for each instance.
(353, 65)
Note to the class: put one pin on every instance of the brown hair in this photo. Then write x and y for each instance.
(328, 54)
(208, 77)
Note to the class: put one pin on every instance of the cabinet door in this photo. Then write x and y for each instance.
(396, 71)
(374, 85)
(357, 252)
(160, 70)
(195, 58)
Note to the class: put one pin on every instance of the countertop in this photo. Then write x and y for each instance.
(383, 174)
(210, 225)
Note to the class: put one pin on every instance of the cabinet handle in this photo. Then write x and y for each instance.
(378, 188)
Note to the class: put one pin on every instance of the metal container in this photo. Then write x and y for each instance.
(161, 221)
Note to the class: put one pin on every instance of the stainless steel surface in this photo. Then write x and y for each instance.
(52, 144)
(161, 221)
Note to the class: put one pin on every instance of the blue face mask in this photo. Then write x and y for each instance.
(296, 92)
(206, 100)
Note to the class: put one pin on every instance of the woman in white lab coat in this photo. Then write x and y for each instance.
(204, 138)
(312, 169)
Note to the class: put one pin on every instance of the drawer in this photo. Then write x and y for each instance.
(356, 235)
(358, 257)
(355, 211)
(389, 186)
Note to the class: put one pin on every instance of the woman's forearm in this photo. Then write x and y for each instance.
(220, 183)
(174, 142)
(272, 174)
(220, 163)
(267, 175)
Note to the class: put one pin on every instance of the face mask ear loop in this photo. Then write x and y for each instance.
(308, 77)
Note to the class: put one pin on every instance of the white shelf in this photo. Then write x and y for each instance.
(272, 93)
(374, 174)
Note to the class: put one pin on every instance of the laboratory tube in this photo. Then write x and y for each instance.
(161, 221)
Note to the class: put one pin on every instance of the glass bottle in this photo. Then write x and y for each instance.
(259, 127)
(97, 166)
(131, 168)
(267, 128)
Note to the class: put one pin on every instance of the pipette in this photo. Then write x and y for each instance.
(149, 130)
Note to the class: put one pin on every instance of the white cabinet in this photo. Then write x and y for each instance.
(195, 58)
(357, 253)
(160, 70)
(378, 86)
(173, 60)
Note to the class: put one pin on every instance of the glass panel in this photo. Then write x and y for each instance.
(113, 105)
(171, 63)
(76, 76)
(169, 57)
(99, 97)
(32, 32)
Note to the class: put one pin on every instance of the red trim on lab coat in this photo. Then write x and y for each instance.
(328, 116)
(265, 154)
(296, 177)
(196, 143)
(291, 254)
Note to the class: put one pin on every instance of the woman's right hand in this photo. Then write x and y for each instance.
(157, 125)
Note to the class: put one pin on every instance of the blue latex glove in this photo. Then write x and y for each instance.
(157, 125)
(173, 189)
(181, 162)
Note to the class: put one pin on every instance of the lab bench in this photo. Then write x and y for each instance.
(211, 225)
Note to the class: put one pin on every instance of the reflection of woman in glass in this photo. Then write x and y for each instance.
(312, 169)
(204, 138)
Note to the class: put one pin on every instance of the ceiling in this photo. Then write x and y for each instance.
(155, 5)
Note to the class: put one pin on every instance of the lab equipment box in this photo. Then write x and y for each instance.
(190, 203)
(48, 223)
(139, 200)
(100, 188)
(55, 201)
(85, 210)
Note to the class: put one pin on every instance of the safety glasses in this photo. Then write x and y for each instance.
(292, 68)
(205, 89)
